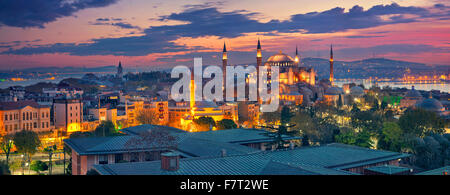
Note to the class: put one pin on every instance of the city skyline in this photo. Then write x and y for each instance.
(155, 34)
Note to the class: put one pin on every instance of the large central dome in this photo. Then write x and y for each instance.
(280, 59)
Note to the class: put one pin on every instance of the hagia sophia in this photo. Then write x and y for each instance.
(298, 85)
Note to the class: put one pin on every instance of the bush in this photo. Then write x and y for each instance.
(92, 172)
(4, 168)
(38, 166)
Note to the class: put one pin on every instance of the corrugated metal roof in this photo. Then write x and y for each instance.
(241, 136)
(388, 169)
(230, 165)
(332, 156)
(438, 171)
(320, 160)
(190, 146)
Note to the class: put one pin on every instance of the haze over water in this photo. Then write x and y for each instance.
(443, 87)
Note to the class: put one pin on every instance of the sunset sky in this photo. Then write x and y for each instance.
(87, 33)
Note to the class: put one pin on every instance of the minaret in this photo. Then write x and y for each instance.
(224, 68)
(297, 58)
(258, 55)
(119, 70)
(331, 66)
(192, 94)
(258, 64)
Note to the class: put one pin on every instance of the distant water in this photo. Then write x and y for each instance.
(6, 84)
(443, 87)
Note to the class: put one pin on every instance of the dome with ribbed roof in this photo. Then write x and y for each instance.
(431, 104)
(334, 91)
(357, 91)
(280, 59)
(205, 104)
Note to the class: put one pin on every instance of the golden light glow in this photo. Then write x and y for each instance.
(73, 127)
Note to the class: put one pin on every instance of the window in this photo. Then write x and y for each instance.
(47, 114)
(10, 117)
(6, 117)
(173, 163)
(134, 157)
(15, 127)
(42, 115)
(35, 125)
(6, 127)
(23, 116)
(47, 124)
(103, 159)
(118, 158)
(147, 156)
(43, 125)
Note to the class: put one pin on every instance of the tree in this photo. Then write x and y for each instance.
(355, 108)
(367, 120)
(38, 166)
(204, 123)
(147, 116)
(421, 122)
(226, 124)
(286, 115)
(50, 150)
(391, 137)
(92, 172)
(305, 125)
(384, 105)
(339, 103)
(375, 105)
(277, 136)
(106, 128)
(346, 138)
(4, 168)
(6, 144)
(79, 134)
(305, 140)
(26, 142)
(271, 117)
(361, 139)
(431, 152)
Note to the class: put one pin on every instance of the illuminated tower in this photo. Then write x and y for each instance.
(258, 64)
(192, 94)
(258, 55)
(331, 65)
(224, 68)
(297, 58)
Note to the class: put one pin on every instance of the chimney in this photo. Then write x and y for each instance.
(291, 145)
(224, 153)
(170, 161)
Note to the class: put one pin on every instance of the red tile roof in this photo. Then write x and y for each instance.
(19, 105)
